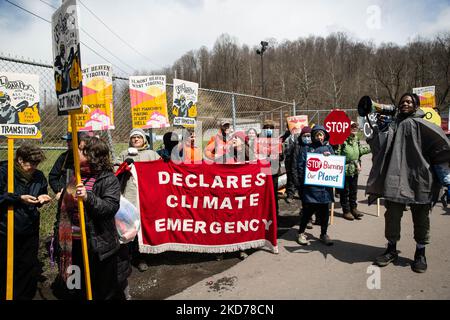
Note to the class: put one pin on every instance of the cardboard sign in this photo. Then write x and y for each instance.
(67, 57)
(98, 114)
(297, 123)
(427, 96)
(184, 108)
(149, 102)
(325, 171)
(19, 106)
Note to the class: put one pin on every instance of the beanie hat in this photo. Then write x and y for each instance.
(306, 130)
(138, 132)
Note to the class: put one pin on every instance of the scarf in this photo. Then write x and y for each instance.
(69, 224)
(23, 176)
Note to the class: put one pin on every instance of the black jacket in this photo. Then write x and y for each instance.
(101, 206)
(58, 175)
(26, 217)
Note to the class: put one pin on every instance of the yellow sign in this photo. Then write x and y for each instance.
(296, 123)
(427, 96)
(432, 116)
(148, 102)
(19, 106)
(97, 112)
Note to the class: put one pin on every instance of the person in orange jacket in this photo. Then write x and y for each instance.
(220, 144)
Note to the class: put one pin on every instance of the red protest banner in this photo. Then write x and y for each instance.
(209, 208)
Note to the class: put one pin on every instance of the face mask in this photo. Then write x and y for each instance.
(306, 140)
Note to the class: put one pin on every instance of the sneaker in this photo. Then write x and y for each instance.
(243, 255)
(219, 257)
(356, 214)
(388, 256)
(142, 266)
(301, 239)
(348, 216)
(420, 261)
(325, 239)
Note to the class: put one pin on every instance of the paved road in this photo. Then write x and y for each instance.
(340, 271)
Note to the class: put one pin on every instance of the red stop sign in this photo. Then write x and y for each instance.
(338, 126)
(314, 164)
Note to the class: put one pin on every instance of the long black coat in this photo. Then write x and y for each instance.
(26, 217)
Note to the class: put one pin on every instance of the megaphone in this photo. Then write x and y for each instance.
(367, 105)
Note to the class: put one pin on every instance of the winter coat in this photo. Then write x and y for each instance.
(128, 183)
(100, 207)
(26, 216)
(314, 194)
(288, 151)
(353, 151)
(295, 158)
(57, 178)
(403, 159)
(216, 147)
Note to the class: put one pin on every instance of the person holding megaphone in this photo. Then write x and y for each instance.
(410, 165)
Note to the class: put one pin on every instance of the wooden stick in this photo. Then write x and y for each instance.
(10, 234)
(76, 160)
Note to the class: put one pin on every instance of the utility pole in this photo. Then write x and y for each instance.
(264, 45)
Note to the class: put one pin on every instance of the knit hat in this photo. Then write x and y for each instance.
(305, 130)
(138, 132)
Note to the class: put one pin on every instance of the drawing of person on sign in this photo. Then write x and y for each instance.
(183, 107)
(62, 68)
(8, 113)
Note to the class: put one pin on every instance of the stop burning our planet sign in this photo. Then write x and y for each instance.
(325, 171)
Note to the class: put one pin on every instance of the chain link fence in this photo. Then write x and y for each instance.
(213, 106)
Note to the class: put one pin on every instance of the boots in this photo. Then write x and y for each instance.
(348, 216)
(388, 256)
(420, 261)
(358, 215)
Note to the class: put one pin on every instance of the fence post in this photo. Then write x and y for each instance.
(281, 120)
(293, 109)
(233, 110)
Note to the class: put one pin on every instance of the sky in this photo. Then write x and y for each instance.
(161, 31)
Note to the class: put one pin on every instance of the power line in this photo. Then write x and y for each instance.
(96, 41)
(37, 16)
(120, 38)
(95, 52)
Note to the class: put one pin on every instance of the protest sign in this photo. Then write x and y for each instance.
(209, 208)
(325, 171)
(149, 102)
(427, 96)
(337, 123)
(19, 106)
(296, 123)
(67, 57)
(98, 113)
(184, 108)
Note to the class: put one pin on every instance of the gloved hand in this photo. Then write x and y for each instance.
(129, 161)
